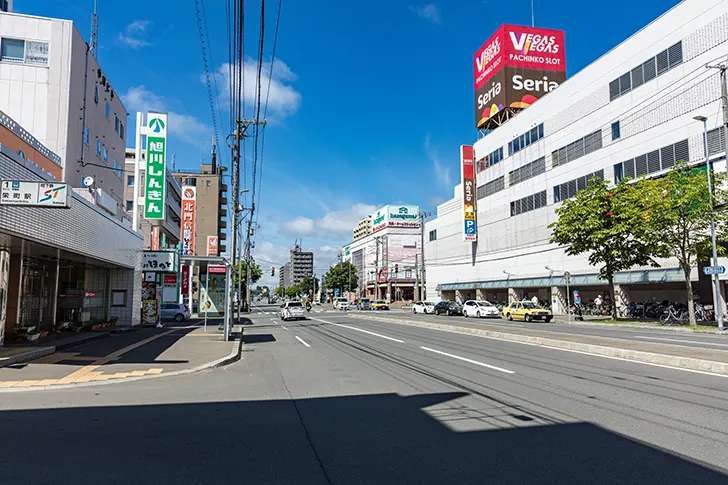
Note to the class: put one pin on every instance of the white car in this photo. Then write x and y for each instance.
(341, 303)
(292, 310)
(423, 307)
(480, 309)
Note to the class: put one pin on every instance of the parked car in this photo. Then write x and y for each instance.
(526, 311)
(339, 301)
(448, 308)
(175, 311)
(364, 304)
(480, 309)
(380, 305)
(292, 310)
(423, 307)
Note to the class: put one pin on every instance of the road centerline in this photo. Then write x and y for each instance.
(302, 341)
(471, 361)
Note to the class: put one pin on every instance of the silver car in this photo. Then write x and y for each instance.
(175, 311)
(292, 310)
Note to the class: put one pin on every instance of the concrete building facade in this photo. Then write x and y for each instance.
(300, 266)
(363, 228)
(52, 86)
(628, 114)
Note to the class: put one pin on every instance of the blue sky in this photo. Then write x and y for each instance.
(370, 100)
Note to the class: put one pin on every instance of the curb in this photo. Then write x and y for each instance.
(221, 362)
(617, 326)
(701, 365)
(27, 356)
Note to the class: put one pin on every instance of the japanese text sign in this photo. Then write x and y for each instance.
(43, 194)
(155, 187)
(159, 261)
(189, 197)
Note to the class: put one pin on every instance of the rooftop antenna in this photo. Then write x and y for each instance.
(174, 166)
(533, 17)
(94, 32)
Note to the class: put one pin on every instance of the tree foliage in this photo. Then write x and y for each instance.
(280, 292)
(342, 276)
(241, 271)
(679, 217)
(607, 223)
(309, 286)
(293, 291)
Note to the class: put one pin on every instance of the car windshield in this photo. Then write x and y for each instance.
(429, 303)
(341, 300)
(364, 300)
(381, 302)
(294, 303)
(528, 304)
(485, 303)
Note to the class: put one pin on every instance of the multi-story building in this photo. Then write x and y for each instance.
(211, 204)
(51, 84)
(287, 273)
(363, 228)
(300, 265)
(628, 114)
(165, 233)
(74, 264)
(282, 275)
(6, 5)
(388, 259)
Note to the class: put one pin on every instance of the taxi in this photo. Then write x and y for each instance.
(380, 305)
(526, 311)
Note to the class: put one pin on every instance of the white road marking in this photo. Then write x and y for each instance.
(499, 369)
(361, 330)
(684, 341)
(274, 321)
(302, 341)
(284, 328)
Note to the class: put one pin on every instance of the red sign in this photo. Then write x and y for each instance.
(189, 196)
(89, 294)
(170, 279)
(382, 277)
(185, 280)
(534, 48)
(216, 269)
(212, 245)
(155, 238)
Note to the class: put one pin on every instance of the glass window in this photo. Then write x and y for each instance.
(85, 135)
(615, 131)
(98, 147)
(106, 155)
(625, 83)
(108, 111)
(540, 131)
(557, 193)
(433, 235)
(116, 123)
(129, 205)
(121, 129)
(96, 95)
(12, 50)
(130, 180)
(614, 89)
(36, 53)
(674, 54)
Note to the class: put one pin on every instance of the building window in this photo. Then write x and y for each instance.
(529, 203)
(577, 149)
(567, 190)
(618, 173)
(96, 95)
(130, 180)
(526, 139)
(106, 155)
(116, 123)
(121, 129)
(129, 205)
(85, 135)
(107, 111)
(98, 148)
(36, 53)
(433, 235)
(537, 167)
(116, 168)
(647, 71)
(654, 161)
(208, 184)
(615, 131)
(12, 50)
(4, 5)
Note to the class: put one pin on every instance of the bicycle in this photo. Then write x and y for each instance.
(673, 315)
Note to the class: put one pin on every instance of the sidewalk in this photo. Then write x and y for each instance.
(174, 349)
(672, 355)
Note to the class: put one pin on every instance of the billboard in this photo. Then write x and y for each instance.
(189, 197)
(212, 245)
(467, 164)
(155, 187)
(515, 67)
(401, 216)
(36, 194)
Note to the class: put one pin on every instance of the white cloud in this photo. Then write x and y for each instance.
(183, 126)
(333, 225)
(429, 12)
(135, 34)
(283, 100)
(442, 171)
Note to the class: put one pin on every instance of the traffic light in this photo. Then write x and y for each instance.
(396, 268)
(273, 271)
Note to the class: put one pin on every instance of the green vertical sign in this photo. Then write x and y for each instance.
(155, 186)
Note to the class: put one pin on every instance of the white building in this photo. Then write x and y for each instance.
(627, 114)
(50, 84)
(387, 259)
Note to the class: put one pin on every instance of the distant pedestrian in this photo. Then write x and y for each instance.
(598, 302)
(534, 300)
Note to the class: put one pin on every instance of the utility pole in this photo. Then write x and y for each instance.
(416, 293)
(376, 268)
(423, 216)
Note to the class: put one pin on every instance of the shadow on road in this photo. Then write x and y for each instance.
(368, 439)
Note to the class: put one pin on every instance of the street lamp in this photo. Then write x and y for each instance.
(716, 282)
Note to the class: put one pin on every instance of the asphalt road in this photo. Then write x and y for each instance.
(335, 399)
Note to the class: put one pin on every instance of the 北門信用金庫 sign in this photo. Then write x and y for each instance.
(155, 186)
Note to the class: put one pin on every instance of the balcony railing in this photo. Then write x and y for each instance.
(223, 188)
(223, 212)
(223, 224)
(222, 236)
(223, 201)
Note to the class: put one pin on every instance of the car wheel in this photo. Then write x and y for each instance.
(414, 311)
(437, 312)
(509, 317)
(527, 318)
(547, 319)
(465, 314)
(179, 317)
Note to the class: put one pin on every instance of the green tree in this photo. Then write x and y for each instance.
(241, 272)
(309, 285)
(280, 292)
(607, 224)
(293, 291)
(679, 216)
(343, 277)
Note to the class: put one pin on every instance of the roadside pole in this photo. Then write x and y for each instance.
(567, 277)
(207, 293)
(140, 127)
